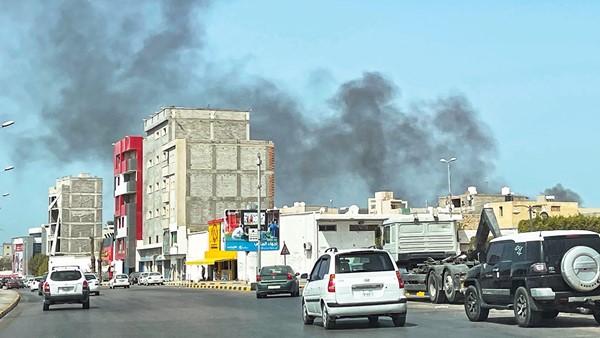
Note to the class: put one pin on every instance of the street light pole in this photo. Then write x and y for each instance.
(443, 160)
(258, 164)
(530, 209)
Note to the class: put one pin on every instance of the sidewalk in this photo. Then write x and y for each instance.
(221, 285)
(8, 300)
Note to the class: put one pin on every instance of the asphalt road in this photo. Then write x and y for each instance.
(161, 311)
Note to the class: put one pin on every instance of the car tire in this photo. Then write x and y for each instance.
(596, 313)
(46, 307)
(86, 304)
(524, 313)
(328, 322)
(581, 255)
(551, 314)
(473, 308)
(435, 294)
(399, 319)
(259, 295)
(452, 295)
(97, 293)
(306, 318)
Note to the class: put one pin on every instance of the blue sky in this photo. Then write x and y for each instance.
(528, 70)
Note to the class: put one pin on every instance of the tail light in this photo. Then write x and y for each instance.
(539, 267)
(85, 285)
(400, 281)
(289, 276)
(46, 287)
(258, 278)
(331, 284)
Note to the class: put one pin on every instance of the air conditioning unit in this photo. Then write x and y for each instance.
(307, 246)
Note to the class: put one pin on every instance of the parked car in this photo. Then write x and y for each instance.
(93, 283)
(34, 285)
(133, 278)
(537, 275)
(154, 278)
(66, 285)
(12, 283)
(142, 278)
(119, 281)
(354, 283)
(21, 283)
(277, 279)
(41, 284)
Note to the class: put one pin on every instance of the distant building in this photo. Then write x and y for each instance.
(6, 249)
(22, 251)
(129, 211)
(385, 203)
(197, 164)
(38, 243)
(74, 215)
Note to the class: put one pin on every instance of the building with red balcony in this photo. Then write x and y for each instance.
(128, 183)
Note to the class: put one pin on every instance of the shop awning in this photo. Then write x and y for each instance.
(202, 261)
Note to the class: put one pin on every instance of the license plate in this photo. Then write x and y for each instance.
(65, 288)
(274, 287)
(367, 293)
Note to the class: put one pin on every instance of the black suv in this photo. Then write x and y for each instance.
(538, 275)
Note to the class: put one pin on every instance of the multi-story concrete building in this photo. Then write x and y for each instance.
(128, 181)
(6, 249)
(38, 244)
(74, 215)
(385, 203)
(22, 251)
(197, 164)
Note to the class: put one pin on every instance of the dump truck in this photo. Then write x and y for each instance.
(427, 251)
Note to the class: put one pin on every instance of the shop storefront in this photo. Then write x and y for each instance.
(218, 264)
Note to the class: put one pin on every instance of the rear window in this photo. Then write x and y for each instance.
(154, 274)
(121, 276)
(363, 262)
(90, 277)
(275, 270)
(556, 247)
(61, 276)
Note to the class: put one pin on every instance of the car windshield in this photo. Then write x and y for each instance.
(60, 276)
(363, 261)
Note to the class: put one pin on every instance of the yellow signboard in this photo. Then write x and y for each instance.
(214, 236)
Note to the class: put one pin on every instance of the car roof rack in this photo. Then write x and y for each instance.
(332, 249)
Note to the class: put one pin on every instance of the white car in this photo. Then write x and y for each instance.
(142, 278)
(354, 283)
(34, 285)
(66, 285)
(119, 281)
(93, 283)
(154, 278)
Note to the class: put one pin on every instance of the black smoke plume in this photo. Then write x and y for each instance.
(562, 194)
(111, 64)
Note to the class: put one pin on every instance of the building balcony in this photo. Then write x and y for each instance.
(129, 187)
(131, 165)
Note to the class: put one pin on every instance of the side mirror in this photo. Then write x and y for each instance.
(304, 276)
(297, 274)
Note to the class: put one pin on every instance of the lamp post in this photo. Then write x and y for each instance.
(530, 209)
(258, 164)
(443, 160)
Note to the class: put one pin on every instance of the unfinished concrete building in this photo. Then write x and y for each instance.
(198, 162)
(74, 215)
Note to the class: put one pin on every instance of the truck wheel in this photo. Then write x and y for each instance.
(473, 308)
(449, 290)
(524, 313)
(435, 294)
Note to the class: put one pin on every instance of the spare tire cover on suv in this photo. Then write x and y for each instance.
(581, 268)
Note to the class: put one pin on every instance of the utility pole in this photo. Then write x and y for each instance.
(93, 259)
(258, 164)
(100, 261)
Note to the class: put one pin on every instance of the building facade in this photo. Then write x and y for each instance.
(385, 203)
(6, 249)
(74, 216)
(128, 182)
(197, 163)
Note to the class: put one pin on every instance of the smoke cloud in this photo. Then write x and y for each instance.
(562, 194)
(111, 68)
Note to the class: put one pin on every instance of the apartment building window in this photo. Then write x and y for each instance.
(363, 227)
(150, 188)
(555, 208)
(164, 211)
(164, 131)
(157, 135)
(157, 213)
(149, 214)
(149, 163)
(501, 211)
(174, 237)
(149, 239)
(327, 227)
(157, 159)
(156, 238)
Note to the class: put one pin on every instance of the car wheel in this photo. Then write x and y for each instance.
(549, 314)
(525, 315)
(46, 307)
(328, 322)
(259, 295)
(435, 294)
(97, 293)
(473, 308)
(373, 320)
(306, 318)
(86, 304)
(399, 319)
(450, 291)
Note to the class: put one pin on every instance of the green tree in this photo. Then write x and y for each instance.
(578, 222)
(38, 264)
(6, 263)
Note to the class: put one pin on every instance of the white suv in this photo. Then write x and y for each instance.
(354, 283)
(66, 285)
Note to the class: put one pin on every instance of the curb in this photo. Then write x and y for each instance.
(211, 285)
(11, 306)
